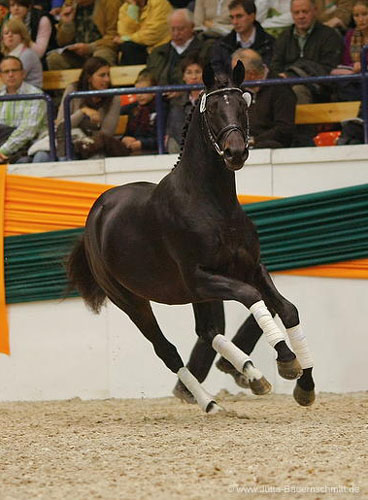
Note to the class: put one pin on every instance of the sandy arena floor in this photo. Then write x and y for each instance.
(262, 448)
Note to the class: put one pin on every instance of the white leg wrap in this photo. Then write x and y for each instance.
(266, 322)
(191, 383)
(236, 357)
(300, 346)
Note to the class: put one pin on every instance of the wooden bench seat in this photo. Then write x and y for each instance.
(120, 76)
(330, 112)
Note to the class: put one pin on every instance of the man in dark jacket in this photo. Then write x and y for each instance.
(246, 33)
(164, 62)
(307, 48)
(272, 114)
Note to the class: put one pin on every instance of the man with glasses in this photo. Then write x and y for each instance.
(21, 122)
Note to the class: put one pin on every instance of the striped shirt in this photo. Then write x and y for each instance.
(29, 118)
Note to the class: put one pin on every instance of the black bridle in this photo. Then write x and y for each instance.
(225, 131)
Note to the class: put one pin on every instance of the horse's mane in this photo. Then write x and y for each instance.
(188, 119)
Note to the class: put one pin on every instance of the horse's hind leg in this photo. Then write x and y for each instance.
(304, 389)
(140, 312)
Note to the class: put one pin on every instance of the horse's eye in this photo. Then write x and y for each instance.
(247, 96)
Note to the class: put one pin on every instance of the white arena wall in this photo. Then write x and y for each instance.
(60, 350)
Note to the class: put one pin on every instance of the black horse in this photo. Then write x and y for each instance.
(187, 240)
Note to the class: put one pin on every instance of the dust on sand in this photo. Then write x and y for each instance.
(261, 448)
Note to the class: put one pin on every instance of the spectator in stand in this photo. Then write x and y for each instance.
(307, 48)
(246, 33)
(164, 61)
(181, 107)
(274, 15)
(212, 16)
(140, 134)
(86, 28)
(335, 13)
(15, 41)
(38, 23)
(356, 38)
(92, 116)
(21, 122)
(142, 26)
(272, 113)
(354, 41)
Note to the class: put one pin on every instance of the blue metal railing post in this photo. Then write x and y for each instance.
(363, 60)
(68, 127)
(160, 123)
(50, 122)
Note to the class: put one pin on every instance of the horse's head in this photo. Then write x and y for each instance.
(224, 109)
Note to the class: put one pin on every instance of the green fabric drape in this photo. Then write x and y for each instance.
(34, 265)
(308, 230)
(299, 231)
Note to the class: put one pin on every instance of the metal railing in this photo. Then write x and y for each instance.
(50, 114)
(161, 90)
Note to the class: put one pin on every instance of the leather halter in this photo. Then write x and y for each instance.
(225, 131)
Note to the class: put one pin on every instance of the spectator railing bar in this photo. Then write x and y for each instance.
(50, 114)
(161, 90)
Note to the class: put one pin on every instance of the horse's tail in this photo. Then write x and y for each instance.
(81, 278)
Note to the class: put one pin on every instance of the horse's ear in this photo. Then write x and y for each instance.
(238, 73)
(208, 76)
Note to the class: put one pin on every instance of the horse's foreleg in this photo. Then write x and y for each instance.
(304, 389)
(210, 323)
(211, 286)
(245, 338)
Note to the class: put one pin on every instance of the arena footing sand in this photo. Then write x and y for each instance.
(260, 448)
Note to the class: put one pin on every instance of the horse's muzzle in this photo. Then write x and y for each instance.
(234, 158)
(235, 150)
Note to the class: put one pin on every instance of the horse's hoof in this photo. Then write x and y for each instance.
(260, 386)
(213, 408)
(182, 393)
(302, 397)
(289, 369)
(240, 379)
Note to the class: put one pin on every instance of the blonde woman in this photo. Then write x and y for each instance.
(15, 41)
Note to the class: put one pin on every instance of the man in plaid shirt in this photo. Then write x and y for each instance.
(28, 118)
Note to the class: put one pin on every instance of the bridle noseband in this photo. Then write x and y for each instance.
(225, 131)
